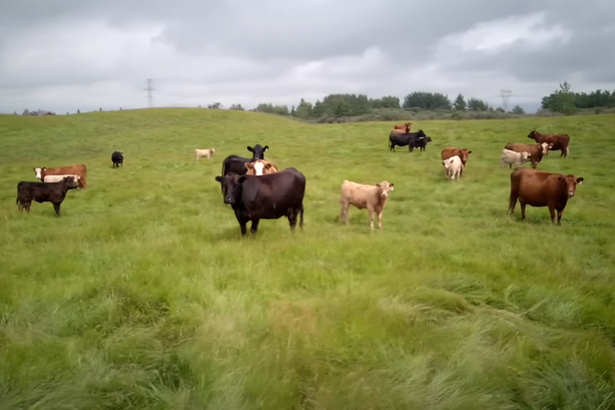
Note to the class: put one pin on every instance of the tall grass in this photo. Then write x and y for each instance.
(144, 295)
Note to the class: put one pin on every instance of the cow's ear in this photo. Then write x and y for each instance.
(266, 148)
(392, 186)
(469, 152)
(562, 178)
(250, 149)
(268, 165)
(580, 180)
(219, 179)
(249, 165)
(241, 179)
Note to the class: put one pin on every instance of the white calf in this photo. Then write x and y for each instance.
(453, 167)
(514, 158)
(58, 178)
(207, 153)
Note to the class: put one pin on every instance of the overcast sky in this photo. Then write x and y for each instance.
(62, 55)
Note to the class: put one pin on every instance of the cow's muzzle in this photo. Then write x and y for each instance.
(229, 200)
(570, 195)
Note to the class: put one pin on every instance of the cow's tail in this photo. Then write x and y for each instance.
(301, 216)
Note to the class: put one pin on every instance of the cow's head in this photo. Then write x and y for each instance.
(69, 182)
(260, 167)
(385, 188)
(465, 153)
(427, 139)
(421, 134)
(571, 183)
(230, 185)
(38, 172)
(258, 152)
(525, 155)
(546, 147)
(448, 163)
(533, 135)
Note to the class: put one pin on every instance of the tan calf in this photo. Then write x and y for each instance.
(207, 153)
(260, 167)
(372, 197)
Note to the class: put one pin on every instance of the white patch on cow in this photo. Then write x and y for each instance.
(258, 167)
(38, 172)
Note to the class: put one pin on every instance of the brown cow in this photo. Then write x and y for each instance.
(78, 169)
(557, 141)
(537, 151)
(462, 153)
(540, 188)
(372, 197)
(406, 127)
(260, 167)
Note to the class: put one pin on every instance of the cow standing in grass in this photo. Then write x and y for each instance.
(372, 197)
(117, 158)
(53, 192)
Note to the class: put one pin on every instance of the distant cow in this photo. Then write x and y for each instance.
(204, 153)
(78, 169)
(372, 197)
(404, 127)
(540, 188)
(452, 167)
(536, 151)
(260, 167)
(514, 158)
(117, 158)
(53, 192)
(462, 153)
(58, 178)
(419, 143)
(558, 141)
(235, 163)
(270, 196)
(398, 139)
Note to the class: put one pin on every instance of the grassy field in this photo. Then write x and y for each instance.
(144, 295)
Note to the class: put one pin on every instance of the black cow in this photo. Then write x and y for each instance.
(403, 139)
(117, 158)
(236, 164)
(419, 143)
(269, 196)
(53, 192)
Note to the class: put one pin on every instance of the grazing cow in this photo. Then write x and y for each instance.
(207, 153)
(558, 141)
(419, 143)
(260, 167)
(78, 169)
(53, 192)
(405, 127)
(270, 196)
(395, 138)
(58, 178)
(540, 188)
(117, 158)
(235, 163)
(453, 167)
(372, 197)
(536, 151)
(514, 158)
(462, 153)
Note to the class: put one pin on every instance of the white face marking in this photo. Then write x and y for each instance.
(258, 168)
(38, 173)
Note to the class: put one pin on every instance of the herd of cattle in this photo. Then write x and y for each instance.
(256, 189)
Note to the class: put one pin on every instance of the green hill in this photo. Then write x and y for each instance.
(144, 295)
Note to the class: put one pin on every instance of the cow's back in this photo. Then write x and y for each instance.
(534, 187)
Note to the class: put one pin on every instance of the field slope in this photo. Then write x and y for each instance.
(144, 295)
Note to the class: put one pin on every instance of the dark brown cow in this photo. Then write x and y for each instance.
(53, 192)
(462, 153)
(406, 127)
(559, 141)
(78, 169)
(540, 188)
(537, 151)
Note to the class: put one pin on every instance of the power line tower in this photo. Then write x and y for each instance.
(149, 88)
(505, 94)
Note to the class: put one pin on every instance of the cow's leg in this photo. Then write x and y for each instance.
(28, 205)
(522, 210)
(254, 227)
(292, 219)
(371, 218)
(559, 216)
(344, 212)
(56, 206)
(380, 220)
(243, 227)
(552, 213)
(534, 164)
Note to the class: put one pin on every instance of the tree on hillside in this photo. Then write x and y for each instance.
(215, 106)
(272, 109)
(236, 107)
(562, 100)
(427, 101)
(304, 110)
(385, 102)
(474, 104)
(459, 104)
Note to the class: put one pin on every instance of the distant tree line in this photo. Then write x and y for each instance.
(567, 102)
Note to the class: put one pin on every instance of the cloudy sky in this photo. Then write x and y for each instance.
(62, 55)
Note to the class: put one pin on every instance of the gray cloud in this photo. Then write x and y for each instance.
(69, 53)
